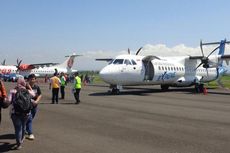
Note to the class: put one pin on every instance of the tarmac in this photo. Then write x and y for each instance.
(139, 120)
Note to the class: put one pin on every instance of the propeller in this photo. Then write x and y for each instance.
(205, 59)
(138, 51)
(18, 64)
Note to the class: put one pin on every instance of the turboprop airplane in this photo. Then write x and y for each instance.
(40, 70)
(177, 71)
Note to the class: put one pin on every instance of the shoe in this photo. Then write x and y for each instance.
(18, 147)
(31, 137)
(23, 139)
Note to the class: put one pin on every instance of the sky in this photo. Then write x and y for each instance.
(39, 31)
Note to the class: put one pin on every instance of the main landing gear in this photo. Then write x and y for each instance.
(115, 89)
(164, 87)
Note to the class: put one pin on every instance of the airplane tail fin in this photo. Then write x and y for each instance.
(222, 47)
(68, 63)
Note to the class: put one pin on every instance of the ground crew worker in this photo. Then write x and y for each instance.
(77, 88)
(55, 83)
(63, 84)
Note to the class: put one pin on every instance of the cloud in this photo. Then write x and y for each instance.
(87, 61)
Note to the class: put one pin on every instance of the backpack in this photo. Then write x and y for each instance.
(22, 102)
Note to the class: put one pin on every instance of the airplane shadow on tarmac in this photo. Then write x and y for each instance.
(6, 146)
(143, 91)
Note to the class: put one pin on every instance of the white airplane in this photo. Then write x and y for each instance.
(40, 70)
(168, 72)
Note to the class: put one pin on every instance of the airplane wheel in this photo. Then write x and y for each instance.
(115, 91)
(164, 87)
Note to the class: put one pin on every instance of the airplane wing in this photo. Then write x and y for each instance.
(104, 59)
(226, 58)
(222, 57)
(43, 64)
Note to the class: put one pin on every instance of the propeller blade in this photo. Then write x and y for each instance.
(138, 50)
(198, 66)
(4, 62)
(207, 71)
(201, 47)
(19, 62)
(128, 51)
(213, 51)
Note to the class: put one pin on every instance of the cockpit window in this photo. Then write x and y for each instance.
(127, 62)
(134, 63)
(110, 62)
(118, 61)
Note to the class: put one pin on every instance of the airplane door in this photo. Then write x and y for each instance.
(149, 69)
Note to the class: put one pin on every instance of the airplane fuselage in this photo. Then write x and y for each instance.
(140, 70)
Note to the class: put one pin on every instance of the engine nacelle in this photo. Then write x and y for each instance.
(25, 67)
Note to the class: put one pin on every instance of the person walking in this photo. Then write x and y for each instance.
(21, 99)
(77, 88)
(55, 84)
(36, 98)
(63, 84)
(3, 98)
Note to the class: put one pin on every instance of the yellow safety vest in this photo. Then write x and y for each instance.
(77, 82)
(63, 81)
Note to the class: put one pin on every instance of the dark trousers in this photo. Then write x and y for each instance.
(62, 92)
(55, 95)
(19, 122)
(77, 95)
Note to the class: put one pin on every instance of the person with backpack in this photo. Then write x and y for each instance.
(37, 91)
(21, 102)
(3, 96)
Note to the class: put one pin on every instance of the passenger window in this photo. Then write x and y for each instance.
(127, 62)
(118, 61)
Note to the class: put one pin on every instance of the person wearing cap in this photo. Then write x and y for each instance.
(36, 98)
(77, 87)
(55, 84)
(19, 120)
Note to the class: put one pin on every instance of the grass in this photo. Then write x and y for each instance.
(225, 80)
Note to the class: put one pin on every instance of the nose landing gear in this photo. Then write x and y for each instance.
(115, 89)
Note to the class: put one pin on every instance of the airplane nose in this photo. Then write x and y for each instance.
(104, 74)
